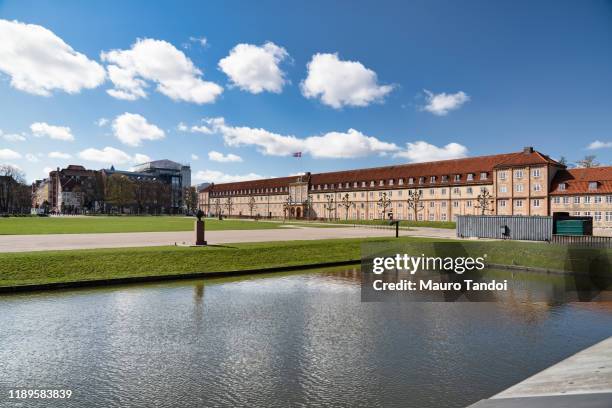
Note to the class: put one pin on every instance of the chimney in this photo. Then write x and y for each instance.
(528, 149)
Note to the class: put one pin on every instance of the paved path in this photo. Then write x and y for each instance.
(23, 243)
(582, 380)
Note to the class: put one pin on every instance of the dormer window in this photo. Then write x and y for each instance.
(400, 182)
(355, 184)
(444, 179)
(372, 183)
(391, 182)
(483, 175)
(411, 180)
(457, 177)
(470, 177)
(432, 179)
(421, 180)
(562, 186)
(502, 175)
(346, 185)
(363, 184)
(593, 185)
(325, 186)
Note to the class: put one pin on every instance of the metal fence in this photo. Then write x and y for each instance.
(505, 227)
(583, 240)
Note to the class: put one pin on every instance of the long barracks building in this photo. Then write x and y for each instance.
(526, 183)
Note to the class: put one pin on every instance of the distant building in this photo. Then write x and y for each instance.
(176, 174)
(74, 189)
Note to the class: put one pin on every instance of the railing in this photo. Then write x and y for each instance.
(591, 241)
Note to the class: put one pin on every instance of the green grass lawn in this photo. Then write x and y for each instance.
(103, 224)
(65, 266)
(403, 223)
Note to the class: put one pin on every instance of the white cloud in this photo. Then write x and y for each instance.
(12, 137)
(349, 144)
(131, 129)
(598, 144)
(203, 41)
(213, 176)
(8, 154)
(140, 158)
(422, 151)
(102, 122)
(41, 129)
(59, 155)
(31, 157)
(39, 62)
(47, 170)
(161, 63)
(108, 155)
(342, 83)
(255, 68)
(195, 157)
(220, 157)
(204, 129)
(442, 103)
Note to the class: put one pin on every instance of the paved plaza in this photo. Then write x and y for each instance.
(23, 243)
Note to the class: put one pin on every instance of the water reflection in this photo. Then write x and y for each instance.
(280, 340)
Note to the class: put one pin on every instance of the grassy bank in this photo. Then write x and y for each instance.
(76, 265)
(403, 223)
(105, 224)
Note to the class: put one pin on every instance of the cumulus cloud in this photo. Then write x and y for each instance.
(8, 154)
(12, 137)
(112, 156)
(204, 128)
(422, 151)
(214, 176)
(349, 144)
(255, 68)
(220, 157)
(131, 129)
(43, 129)
(39, 62)
(339, 83)
(442, 103)
(59, 155)
(598, 144)
(159, 62)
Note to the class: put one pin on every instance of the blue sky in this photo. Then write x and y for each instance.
(349, 84)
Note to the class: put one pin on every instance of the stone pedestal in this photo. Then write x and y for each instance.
(199, 230)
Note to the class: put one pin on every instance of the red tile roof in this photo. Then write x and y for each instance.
(576, 181)
(527, 157)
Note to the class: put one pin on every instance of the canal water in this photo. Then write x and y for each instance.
(302, 339)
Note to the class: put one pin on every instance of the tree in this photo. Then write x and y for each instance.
(229, 204)
(588, 161)
(414, 201)
(252, 204)
(329, 205)
(12, 196)
(563, 160)
(286, 207)
(190, 198)
(384, 202)
(484, 201)
(119, 191)
(217, 204)
(307, 204)
(347, 204)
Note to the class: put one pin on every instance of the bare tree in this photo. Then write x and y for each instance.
(12, 196)
(287, 207)
(485, 200)
(190, 198)
(415, 202)
(119, 191)
(252, 204)
(307, 204)
(329, 205)
(384, 202)
(229, 204)
(347, 204)
(588, 161)
(217, 204)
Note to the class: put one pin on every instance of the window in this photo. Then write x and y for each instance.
(432, 191)
(587, 199)
(518, 174)
(483, 189)
(457, 177)
(325, 187)
(483, 175)
(470, 177)
(432, 179)
(456, 190)
(502, 203)
(399, 193)
(536, 172)
(518, 188)
(431, 217)
(597, 199)
(557, 200)
(537, 187)
(432, 204)
(562, 186)
(502, 175)
(469, 190)
(400, 182)
(420, 217)
(455, 204)
(371, 194)
(444, 179)
(411, 180)
(355, 184)
(443, 217)
(372, 183)
(566, 200)
(391, 182)
(518, 203)
(592, 185)
(503, 189)
(443, 204)
(381, 183)
(468, 203)
(346, 185)
(608, 216)
(587, 213)
(443, 191)
(421, 180)
(536, 203)
(577, 213)
(597, 216)
(609, 199)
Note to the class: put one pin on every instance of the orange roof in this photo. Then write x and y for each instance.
(576, 181)
(253, 184)
(528, 157)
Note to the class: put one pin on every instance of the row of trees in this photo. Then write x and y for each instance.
(15, 194)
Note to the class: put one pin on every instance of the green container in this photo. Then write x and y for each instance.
(571, 227)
